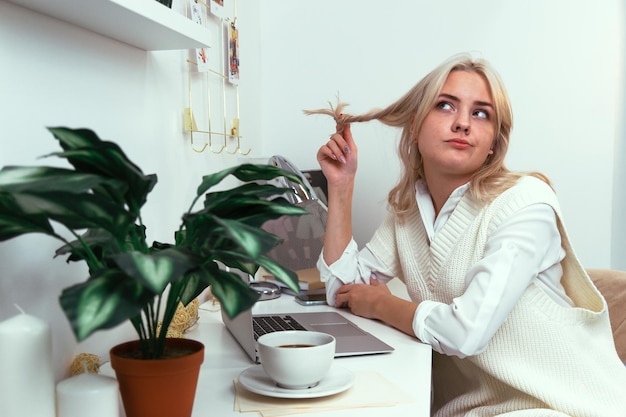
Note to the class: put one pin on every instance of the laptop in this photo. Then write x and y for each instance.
(351, 340)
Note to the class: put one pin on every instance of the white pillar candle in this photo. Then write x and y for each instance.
(26, 372)
(88, 395)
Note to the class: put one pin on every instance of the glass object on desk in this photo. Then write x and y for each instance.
(303, 237)
(211, 304)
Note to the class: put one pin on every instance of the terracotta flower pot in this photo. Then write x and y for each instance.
(158, 387)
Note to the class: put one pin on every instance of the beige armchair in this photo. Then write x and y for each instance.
(612, 285)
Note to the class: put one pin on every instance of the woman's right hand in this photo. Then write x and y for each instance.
(338, 157)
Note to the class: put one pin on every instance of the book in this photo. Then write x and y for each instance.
(308, 280)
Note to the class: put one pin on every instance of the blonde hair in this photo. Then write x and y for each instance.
(409, 113)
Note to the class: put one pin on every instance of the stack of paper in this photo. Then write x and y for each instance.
(370, 389)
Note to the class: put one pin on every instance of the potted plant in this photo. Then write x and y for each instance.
(99, 202)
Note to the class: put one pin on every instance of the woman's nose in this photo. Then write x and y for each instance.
(461, 124)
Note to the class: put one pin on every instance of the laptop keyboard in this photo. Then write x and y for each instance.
(269, 324)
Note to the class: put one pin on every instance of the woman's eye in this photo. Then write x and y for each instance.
(481, 114)
(444, 105)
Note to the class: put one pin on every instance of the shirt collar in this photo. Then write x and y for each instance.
(427, 209)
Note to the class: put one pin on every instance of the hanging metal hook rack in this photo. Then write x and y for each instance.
(189, 124)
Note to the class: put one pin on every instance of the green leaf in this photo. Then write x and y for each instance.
(15, 223)
(252, 240)
(238, 260)
(252, 191)
(195, 283)
(56, 194)
(100, 243)
(97, 240)
(285, 275)
(250, 172)
(234, 295)
(246, 172)
(155, 270)
(89, 154)
(80, 140)
(106, 161)
(75, 138)
(237, 205)
(49, 179)
(75, 212)
(106, 300)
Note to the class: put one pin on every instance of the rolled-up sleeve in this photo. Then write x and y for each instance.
(353, 267)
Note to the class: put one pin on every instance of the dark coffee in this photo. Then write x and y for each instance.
(295, 345)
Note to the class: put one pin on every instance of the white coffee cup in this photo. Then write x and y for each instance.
(296, 359)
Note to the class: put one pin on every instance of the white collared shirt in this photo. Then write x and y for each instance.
(525, 248)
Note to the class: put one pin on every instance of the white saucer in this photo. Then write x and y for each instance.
(255, 379)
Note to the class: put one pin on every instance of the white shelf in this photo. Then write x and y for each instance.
(144, 24)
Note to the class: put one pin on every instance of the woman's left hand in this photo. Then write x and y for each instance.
(362, 299)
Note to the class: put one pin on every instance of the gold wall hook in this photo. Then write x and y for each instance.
(203, 79)
(221, 148)
(233, 152)
(239, 147)
(206, 144)
(199, 150)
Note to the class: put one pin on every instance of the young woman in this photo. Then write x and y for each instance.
(517, 327)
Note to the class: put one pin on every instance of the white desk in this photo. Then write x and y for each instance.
(408, 367)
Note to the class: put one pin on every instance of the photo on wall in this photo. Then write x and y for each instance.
(198, 15)
(232, 66)
(218, 8)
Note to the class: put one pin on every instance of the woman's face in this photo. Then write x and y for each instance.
(457, 135)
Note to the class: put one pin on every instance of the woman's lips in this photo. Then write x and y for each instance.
(459, 143)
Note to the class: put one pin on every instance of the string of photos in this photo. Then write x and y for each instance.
(211, 118)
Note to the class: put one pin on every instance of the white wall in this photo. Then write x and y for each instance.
(618, 241)
(561, 60)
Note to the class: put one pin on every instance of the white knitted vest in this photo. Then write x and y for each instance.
(546, 359)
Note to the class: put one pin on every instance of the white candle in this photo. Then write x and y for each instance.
(26, 372)
(88, 395)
